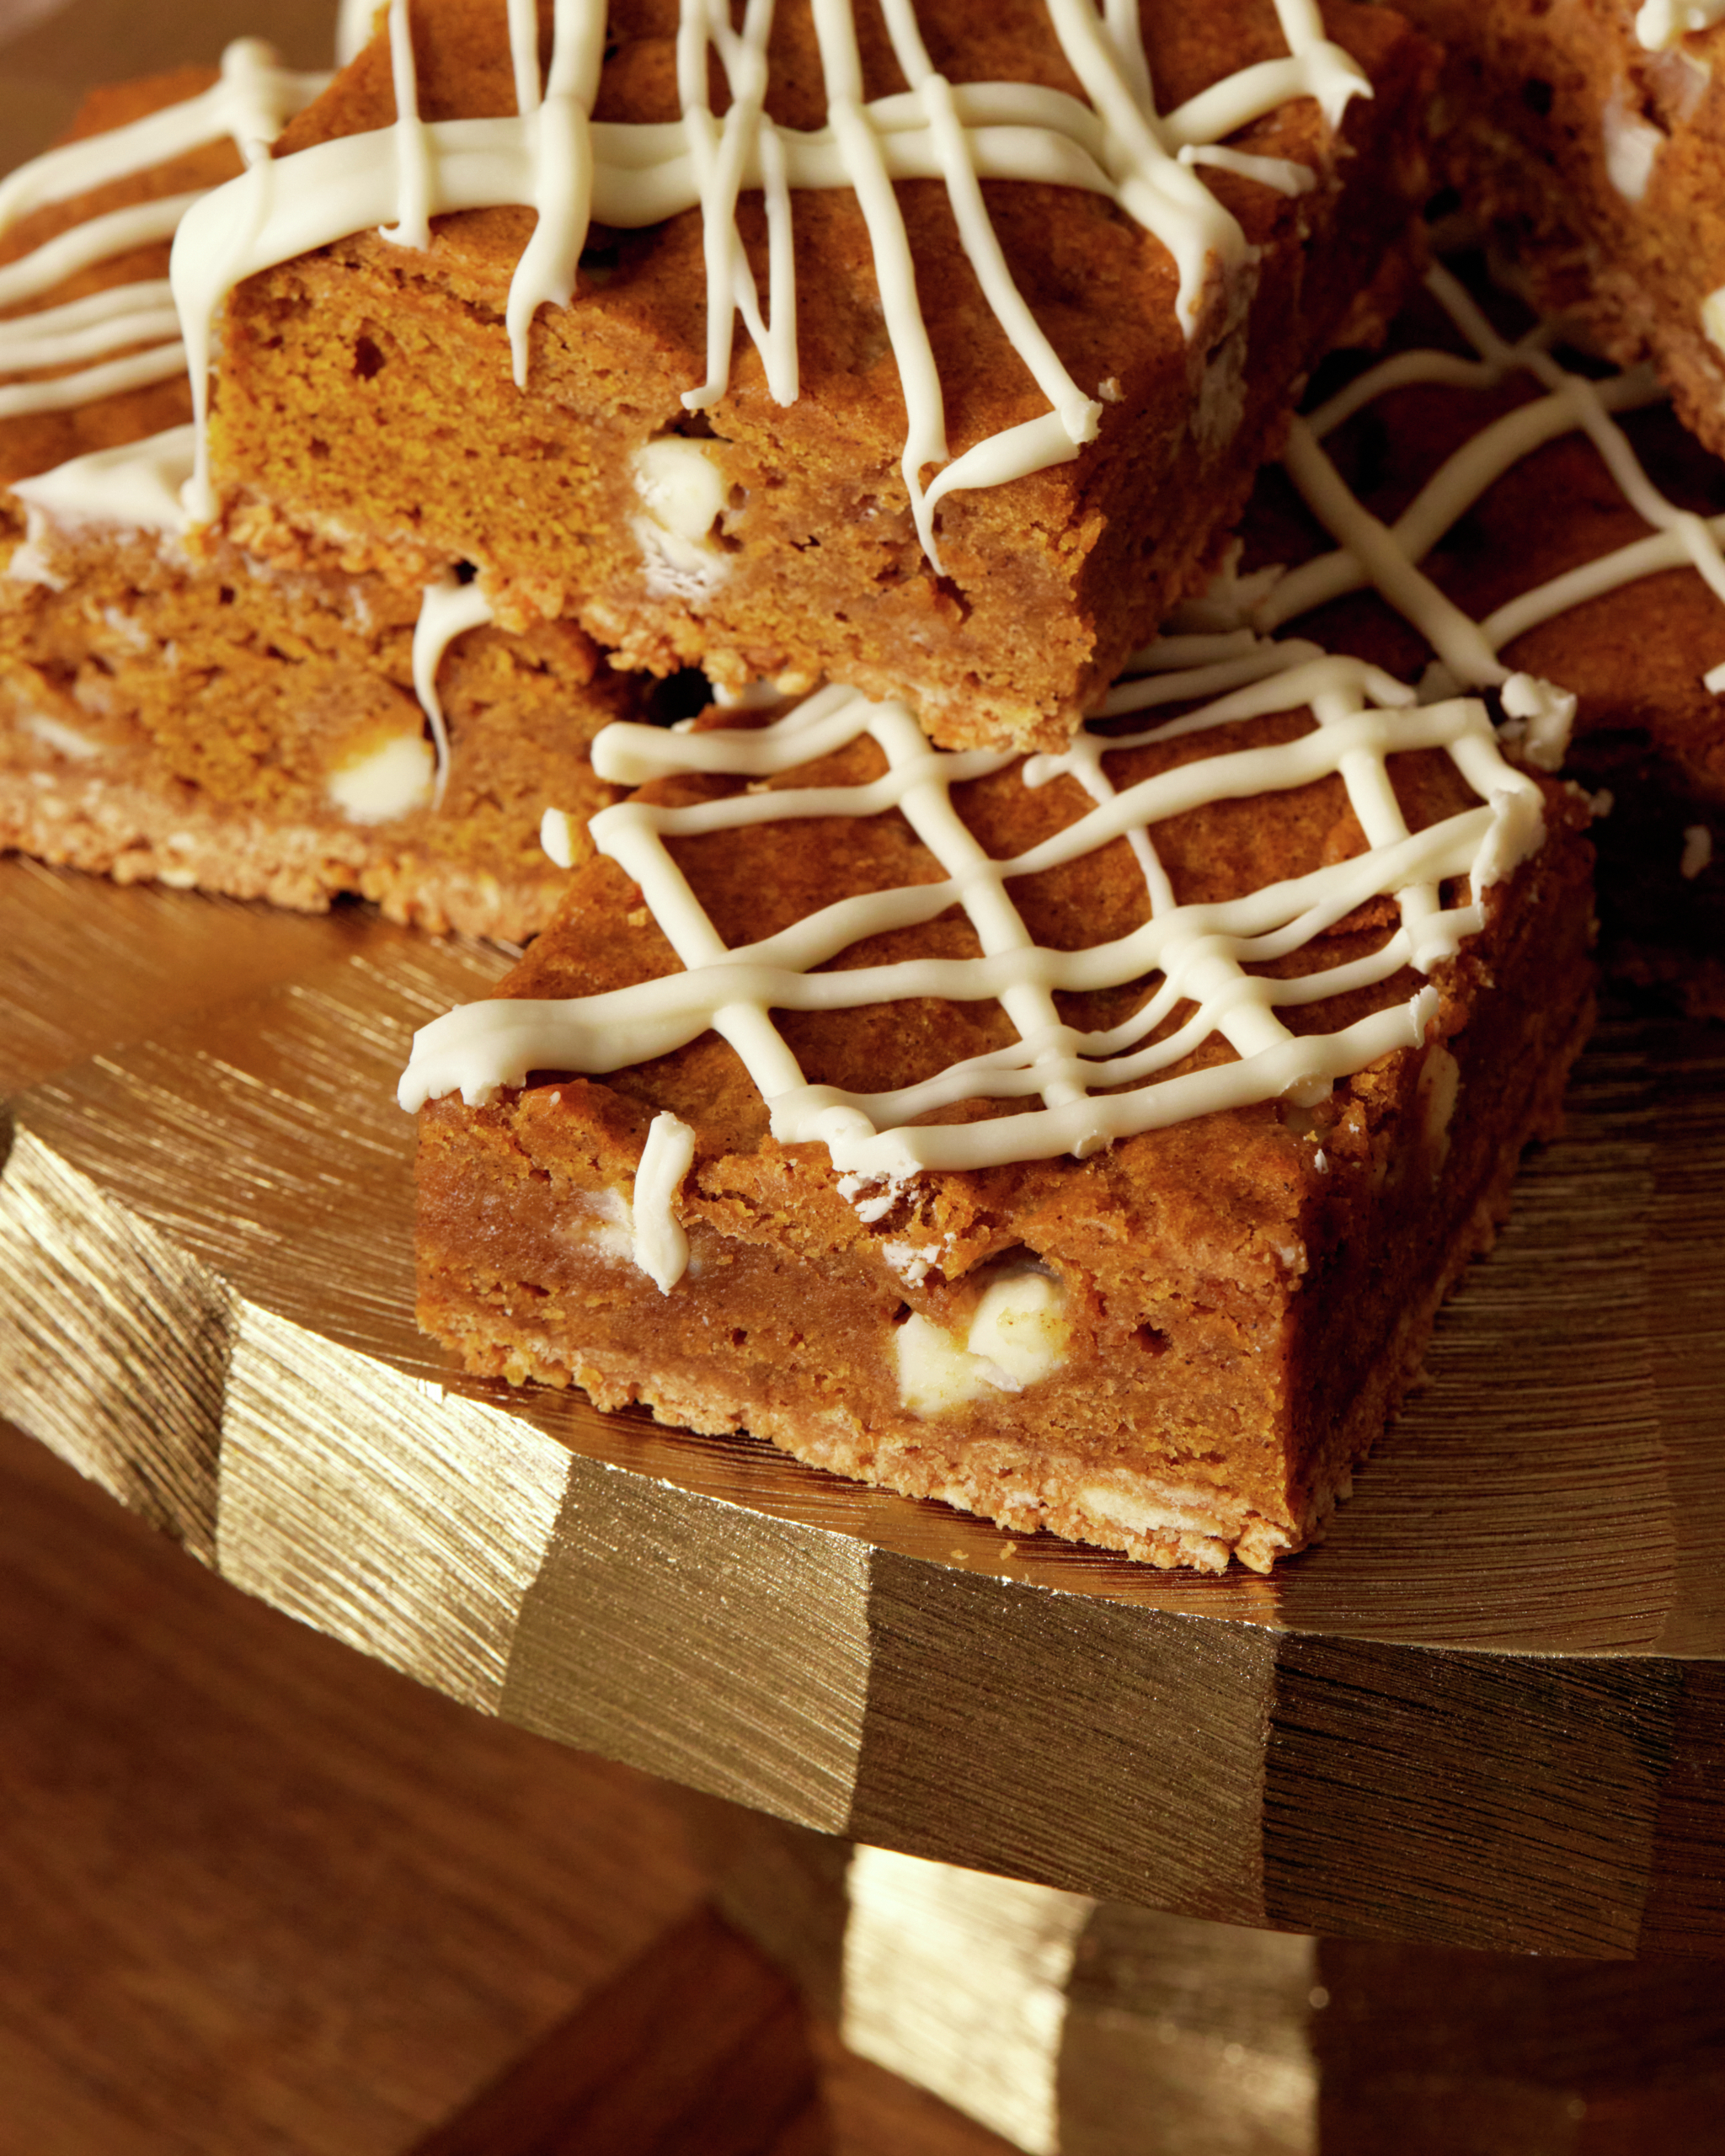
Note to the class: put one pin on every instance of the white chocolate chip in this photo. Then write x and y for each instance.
(56, 734)
(385, 782)
(681, 486)
(1018, 1335)
(1631, 146)
(1439, 1085)
(559, 836)
(1021, 1326)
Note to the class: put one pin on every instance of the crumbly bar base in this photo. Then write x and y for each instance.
(182, 719)
(139, 834)
(1160, 1513)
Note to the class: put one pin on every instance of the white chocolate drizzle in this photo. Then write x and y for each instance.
(448, 609)
(1227, 656)
(1388, 556)
(552, 157)
(661, 1248)
(1071, 1091)
(141, 485)
(251, 103)
(137, 486)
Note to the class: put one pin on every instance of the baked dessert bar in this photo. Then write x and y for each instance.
(1018, 323)
(1472, 507)
(171, 707)
(1087, 1141)
(1590, 140)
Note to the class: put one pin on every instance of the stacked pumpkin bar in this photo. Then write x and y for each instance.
(826, 500)
(1088, 1140)
(231, 698)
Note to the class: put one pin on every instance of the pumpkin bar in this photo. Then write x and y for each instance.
(372, 397)
(189, 714)
(1087, 1143)
(1590, 141)
(1555, 550)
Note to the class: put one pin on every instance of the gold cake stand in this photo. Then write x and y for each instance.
(1487, 1712)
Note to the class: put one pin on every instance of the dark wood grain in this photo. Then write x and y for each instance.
(1164, 2032)
(699, 2044)
(256, 1893)
(870, 2112)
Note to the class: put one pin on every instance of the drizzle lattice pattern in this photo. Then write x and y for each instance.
(137, 321)
(552, 157)
(1202, 953)
(1387, 557)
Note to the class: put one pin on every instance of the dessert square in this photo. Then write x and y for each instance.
(1483, 502)
(935, 355)
(1087, 1141)
(1591, 142)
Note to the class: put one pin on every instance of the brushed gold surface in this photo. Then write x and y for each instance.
(1488, 1712)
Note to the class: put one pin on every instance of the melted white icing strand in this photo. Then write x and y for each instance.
(1660, 23)
(138, 484)
(163, 364)
(1202, 952)
(1385, 555)
(558, 120)
(1285, 177)
(253, 101)
(355, 21)
(82, 329)
(93, 241)
(448, 609)
(549, 156)
(415, 158)
(718, 154)
(661, 1248)
(250, 104)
